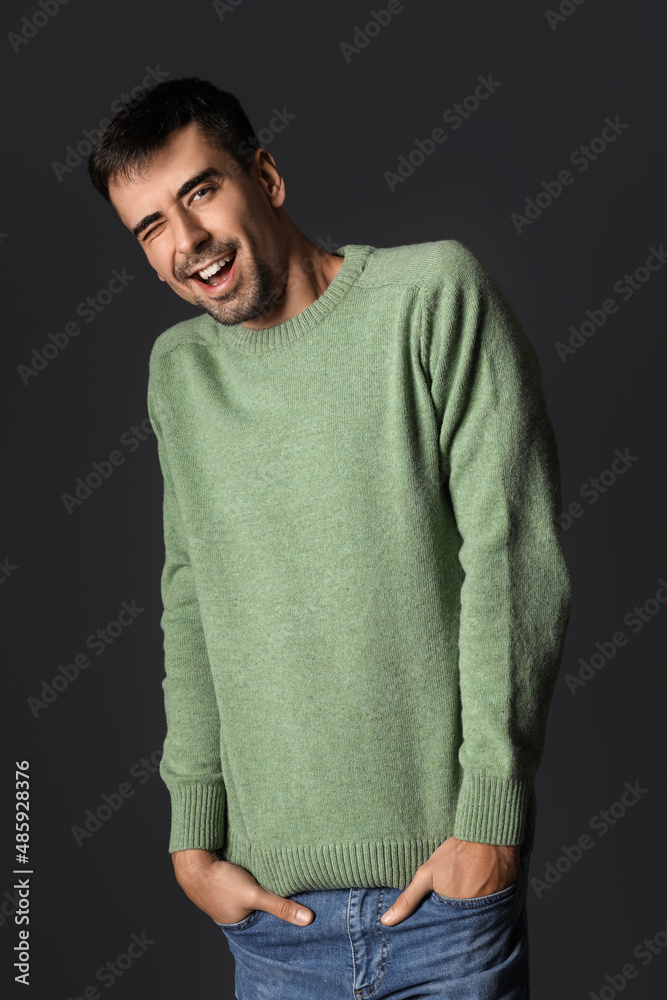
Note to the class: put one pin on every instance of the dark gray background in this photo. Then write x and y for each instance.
(60, 242)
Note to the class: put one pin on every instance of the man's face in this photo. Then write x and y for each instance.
(191, 207)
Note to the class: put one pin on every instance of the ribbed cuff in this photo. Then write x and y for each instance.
(197, 816)
(492, 810)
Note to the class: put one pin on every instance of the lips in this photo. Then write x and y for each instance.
(221, 279)
(215, 260)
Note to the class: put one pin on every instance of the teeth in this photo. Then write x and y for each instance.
(212, 268)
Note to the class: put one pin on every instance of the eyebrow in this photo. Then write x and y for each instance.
(184, 189)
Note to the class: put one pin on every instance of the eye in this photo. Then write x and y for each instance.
(202, 191)
(152, 231)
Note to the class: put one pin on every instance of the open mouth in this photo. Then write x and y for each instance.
(217, 274)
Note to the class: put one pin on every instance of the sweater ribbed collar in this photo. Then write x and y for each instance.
(270, 338)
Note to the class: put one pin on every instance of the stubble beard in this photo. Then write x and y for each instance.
(257, 289)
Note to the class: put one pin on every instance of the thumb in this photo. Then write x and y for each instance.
(285, 909)
(406, 902)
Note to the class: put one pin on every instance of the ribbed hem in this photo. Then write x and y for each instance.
(492, 810)
(197, 816)
(270, 338)
(371, 864)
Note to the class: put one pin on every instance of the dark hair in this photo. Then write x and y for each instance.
(142, 125)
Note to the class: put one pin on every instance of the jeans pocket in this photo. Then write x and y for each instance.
(474, 902)
(241, 925)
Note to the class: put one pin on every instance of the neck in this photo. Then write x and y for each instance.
(308, 272)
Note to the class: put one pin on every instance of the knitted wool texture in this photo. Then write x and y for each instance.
(365, 598)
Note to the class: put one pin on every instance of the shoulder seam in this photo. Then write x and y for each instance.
(163, 352)
(422, 287)
(422, 281)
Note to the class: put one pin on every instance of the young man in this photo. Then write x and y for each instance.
(365, 599)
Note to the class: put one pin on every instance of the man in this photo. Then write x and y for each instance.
(365, 599)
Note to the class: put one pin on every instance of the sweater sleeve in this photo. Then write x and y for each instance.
(500, 473)
(190, 765)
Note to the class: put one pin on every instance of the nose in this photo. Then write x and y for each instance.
(188, 232)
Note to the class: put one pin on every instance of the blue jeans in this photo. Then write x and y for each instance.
(461, 949)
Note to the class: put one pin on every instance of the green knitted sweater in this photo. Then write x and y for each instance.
(365, 598)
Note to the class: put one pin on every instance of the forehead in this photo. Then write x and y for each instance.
(154, 185)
